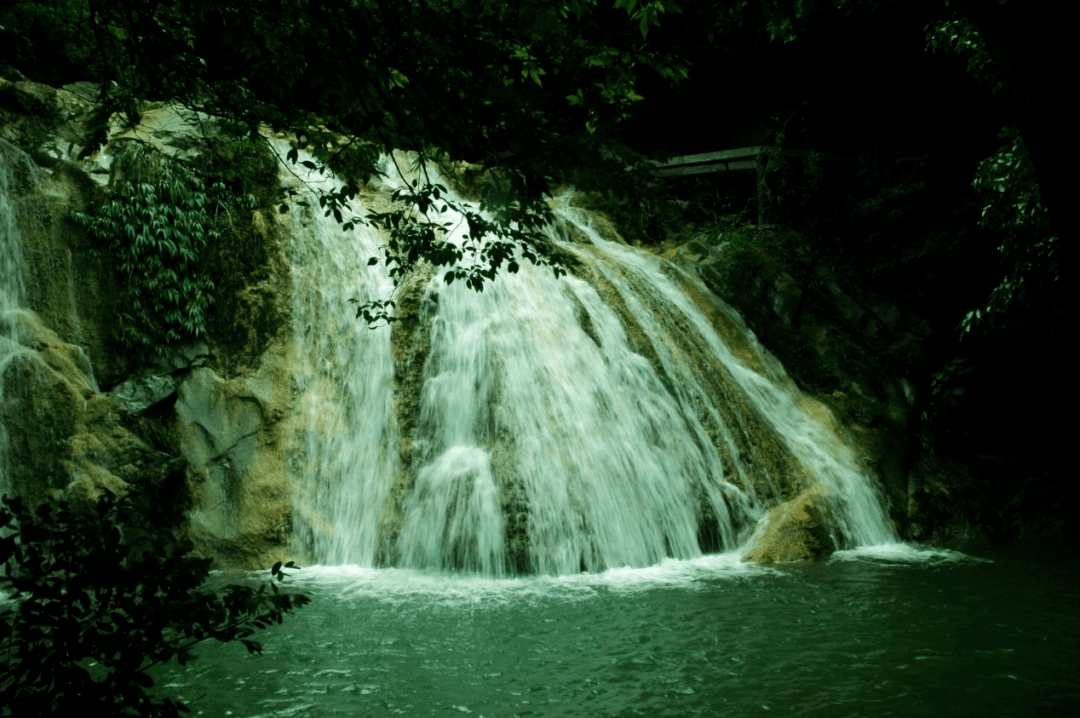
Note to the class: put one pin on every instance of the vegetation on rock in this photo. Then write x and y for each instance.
(152, 231)
(534, 96)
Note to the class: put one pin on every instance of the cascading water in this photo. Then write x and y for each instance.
(345, 457)
(597, 421)
(11, 293)
(858, 510)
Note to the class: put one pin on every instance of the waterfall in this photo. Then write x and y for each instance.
(344, 459)
(11, 294)
(614, 417)
(821, 453)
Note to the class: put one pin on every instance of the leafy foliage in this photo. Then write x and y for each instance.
(1014, 209)
(502, 231)
(152, 230)
(1012, 201)
(95, 596)
(241, 257)
(959, 36)
(416, 233)
(537, 93)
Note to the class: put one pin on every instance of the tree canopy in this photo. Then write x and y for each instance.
(532, 91)
(538, 92)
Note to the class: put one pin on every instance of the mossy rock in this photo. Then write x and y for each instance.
(797, 530)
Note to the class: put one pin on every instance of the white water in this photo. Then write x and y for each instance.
(544, 439)
(401, 586)
(345, 459)
(11, 294)
(860, 513)
(589, 441)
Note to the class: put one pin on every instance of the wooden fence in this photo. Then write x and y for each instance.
(746, 158)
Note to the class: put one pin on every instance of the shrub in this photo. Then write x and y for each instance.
(96, 595)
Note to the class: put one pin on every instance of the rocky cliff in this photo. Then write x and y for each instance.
(82, 412)
(211, 425)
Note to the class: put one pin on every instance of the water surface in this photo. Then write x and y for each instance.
(873, 632)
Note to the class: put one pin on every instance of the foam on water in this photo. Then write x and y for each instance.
(904, 553)
(462, 590)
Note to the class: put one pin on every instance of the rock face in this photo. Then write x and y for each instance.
(797, 530)
(63, 285)
(234, 443)
(64, 435)
(78, 414)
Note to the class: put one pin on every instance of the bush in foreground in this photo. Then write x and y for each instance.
(95, 596)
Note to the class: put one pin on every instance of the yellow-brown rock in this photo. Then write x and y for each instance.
(797, 530)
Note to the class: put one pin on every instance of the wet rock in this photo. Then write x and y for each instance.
(135, 396)
(63, 284)
(185, 356)
(39, 412)
(68, 360)
(797, 530)
(170, 128)
(64, 436)
(217, 419)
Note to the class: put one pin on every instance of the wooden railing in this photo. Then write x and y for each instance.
(746, 158)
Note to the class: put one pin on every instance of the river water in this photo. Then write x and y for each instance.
(872, 632)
